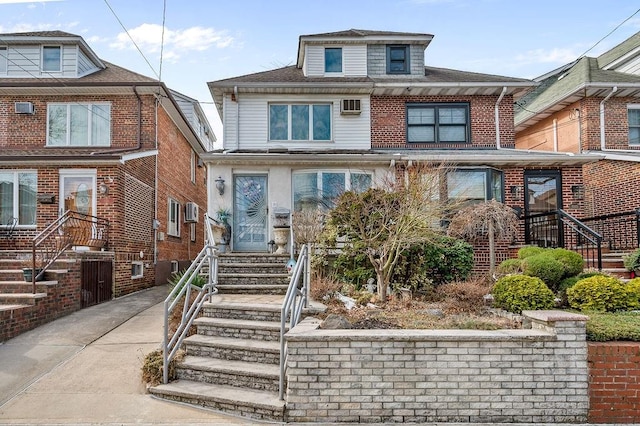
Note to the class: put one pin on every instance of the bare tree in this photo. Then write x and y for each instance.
(491, 219)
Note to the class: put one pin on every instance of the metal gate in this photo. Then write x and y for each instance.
(96, 276)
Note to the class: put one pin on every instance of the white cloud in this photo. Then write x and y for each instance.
(149, 37)
(555, 56)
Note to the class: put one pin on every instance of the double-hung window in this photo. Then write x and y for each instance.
(633, 114)
(3, 60)
(438, 123)
(300, 122)
(333, 59)
(51, 58)
(398, 59)
(18, 191)
(78, 124)
(173, 221)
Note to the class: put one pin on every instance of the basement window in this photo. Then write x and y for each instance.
(137, 270)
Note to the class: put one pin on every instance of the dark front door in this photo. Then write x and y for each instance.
(543, 198)
(96, 276)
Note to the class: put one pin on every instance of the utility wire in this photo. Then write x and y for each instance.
(610, 32)
(164, 19)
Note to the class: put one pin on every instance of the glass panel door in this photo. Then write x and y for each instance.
(250, 213)
(77, 192)
(543, 198)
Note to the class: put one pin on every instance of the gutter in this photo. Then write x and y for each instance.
(602, 138)
(497, 116)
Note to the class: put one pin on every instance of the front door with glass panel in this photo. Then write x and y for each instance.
(77, 192)
(543, 198)
(250, 213)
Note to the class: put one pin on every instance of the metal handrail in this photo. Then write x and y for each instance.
(620, 231)
(296, 299)
(71, 229)
(208, 256)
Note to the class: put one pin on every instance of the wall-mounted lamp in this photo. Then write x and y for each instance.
(103, 189)
(577, 191)
(516, 192)
(220, 185)
(272, 245)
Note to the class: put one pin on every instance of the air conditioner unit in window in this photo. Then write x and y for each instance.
(350, 106)
(24, 108)
(191, 212)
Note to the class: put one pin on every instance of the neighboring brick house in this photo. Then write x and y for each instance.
(79, 133)
(359, 104)
(591, 107)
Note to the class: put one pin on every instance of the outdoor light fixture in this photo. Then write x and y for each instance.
(220, 185)
(516, 192)
(577, 191)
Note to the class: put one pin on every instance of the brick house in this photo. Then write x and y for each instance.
(360, 104)
(80, 134)
(591, 107)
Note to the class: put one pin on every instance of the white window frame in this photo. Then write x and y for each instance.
(175, 267)
(290, 121)
(173, 218)
(319, 179)
(90, 115)
(334, 73)
(631, 107)
(193, 166)
(16, 197)
(59, 70)
(4, 60)
(137, 270)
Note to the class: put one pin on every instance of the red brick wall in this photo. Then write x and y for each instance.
(614, 382)
(388, 121)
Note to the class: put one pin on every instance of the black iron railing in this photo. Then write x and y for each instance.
(620, 231)
(560, 229)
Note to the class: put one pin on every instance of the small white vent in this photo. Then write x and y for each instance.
(24, 108)
(191, 212)
(350, 106)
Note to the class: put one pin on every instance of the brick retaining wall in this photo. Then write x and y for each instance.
(532, 375)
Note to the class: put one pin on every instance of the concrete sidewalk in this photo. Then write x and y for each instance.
(85, 368)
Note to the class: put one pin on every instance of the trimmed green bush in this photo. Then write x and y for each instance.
(545, 267)
(572, 261)
(197, 281)
(529, 251)
(611, 326)
(599, 293)
(517, 293)
(510, 266)
(633, 289)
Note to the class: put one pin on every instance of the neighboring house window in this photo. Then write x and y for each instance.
(475, 185)
(3, 60)
(321, 189)
(398, 59)
(633, 113)
(192, 232)
(137, 269)
(51, 58)
(78, 124)
(174, 266)
(438, 123)
(173, 227)
(300, 122)
(333, 59)
(18, 193)
(193, 167)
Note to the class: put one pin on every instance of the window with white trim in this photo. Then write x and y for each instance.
(300, 122)
(173, 221)
(51, 58)
(193, 166)
(74, 124)
(321, 189)
(3, 60)
(633, 115)
(174, 266)
(18, 195)
(332, 59)
(137, 270)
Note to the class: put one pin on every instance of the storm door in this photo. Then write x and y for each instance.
(543, 198)
(250, 213)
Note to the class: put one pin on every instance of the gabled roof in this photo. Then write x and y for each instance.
(585, 77)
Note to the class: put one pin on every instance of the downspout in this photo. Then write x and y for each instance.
(497, 116)
(602, 138)
(156, 222)
(139, 142)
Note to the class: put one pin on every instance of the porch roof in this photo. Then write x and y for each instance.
(70, 156)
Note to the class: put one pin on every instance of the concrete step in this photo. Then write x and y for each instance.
(12, 307)
(260, 351)
(252, 268)
(25, 287)
(252, 289)
(253, 278)
(249, 375)
(238, 328)
(253, 258)
(259, 405)
(21, 298)
(253, 311)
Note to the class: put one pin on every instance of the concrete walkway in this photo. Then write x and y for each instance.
(85, 368)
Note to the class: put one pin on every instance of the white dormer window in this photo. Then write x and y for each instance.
(3, 60)
(51, 58)
(333, 60)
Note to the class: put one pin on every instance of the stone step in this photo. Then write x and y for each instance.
(249, 375)
(238, 328)
(12, 307)
(252, 268)
(252, 289)
(252, 258)
(25, 287)
(261, 351)
(21, 298)
(253, 278)
(254, 311)
(254, 404)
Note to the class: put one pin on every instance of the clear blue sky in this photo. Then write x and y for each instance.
(207, 40)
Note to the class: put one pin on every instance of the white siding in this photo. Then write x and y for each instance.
(349, 131)
(24, 61)
(631, 67)
(85, 66)
(354, 61)
(69, 61)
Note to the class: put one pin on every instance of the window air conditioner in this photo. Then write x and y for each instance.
(191, 212)
(350, 106)
(24, 108)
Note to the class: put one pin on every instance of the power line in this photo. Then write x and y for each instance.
(610, 32)
(164, 18)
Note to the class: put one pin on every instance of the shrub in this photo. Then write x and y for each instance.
(516, 293)
(567, 283)
(572, 261)
(599, 293)
(529, 251)
(352, 266)
(323, 288)
(197, 281)
(152, 367)
(610, 326)
(632, 260)
(447, 260)
(633, 289)
(510, 266)
(466, 296)
(545, 267)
